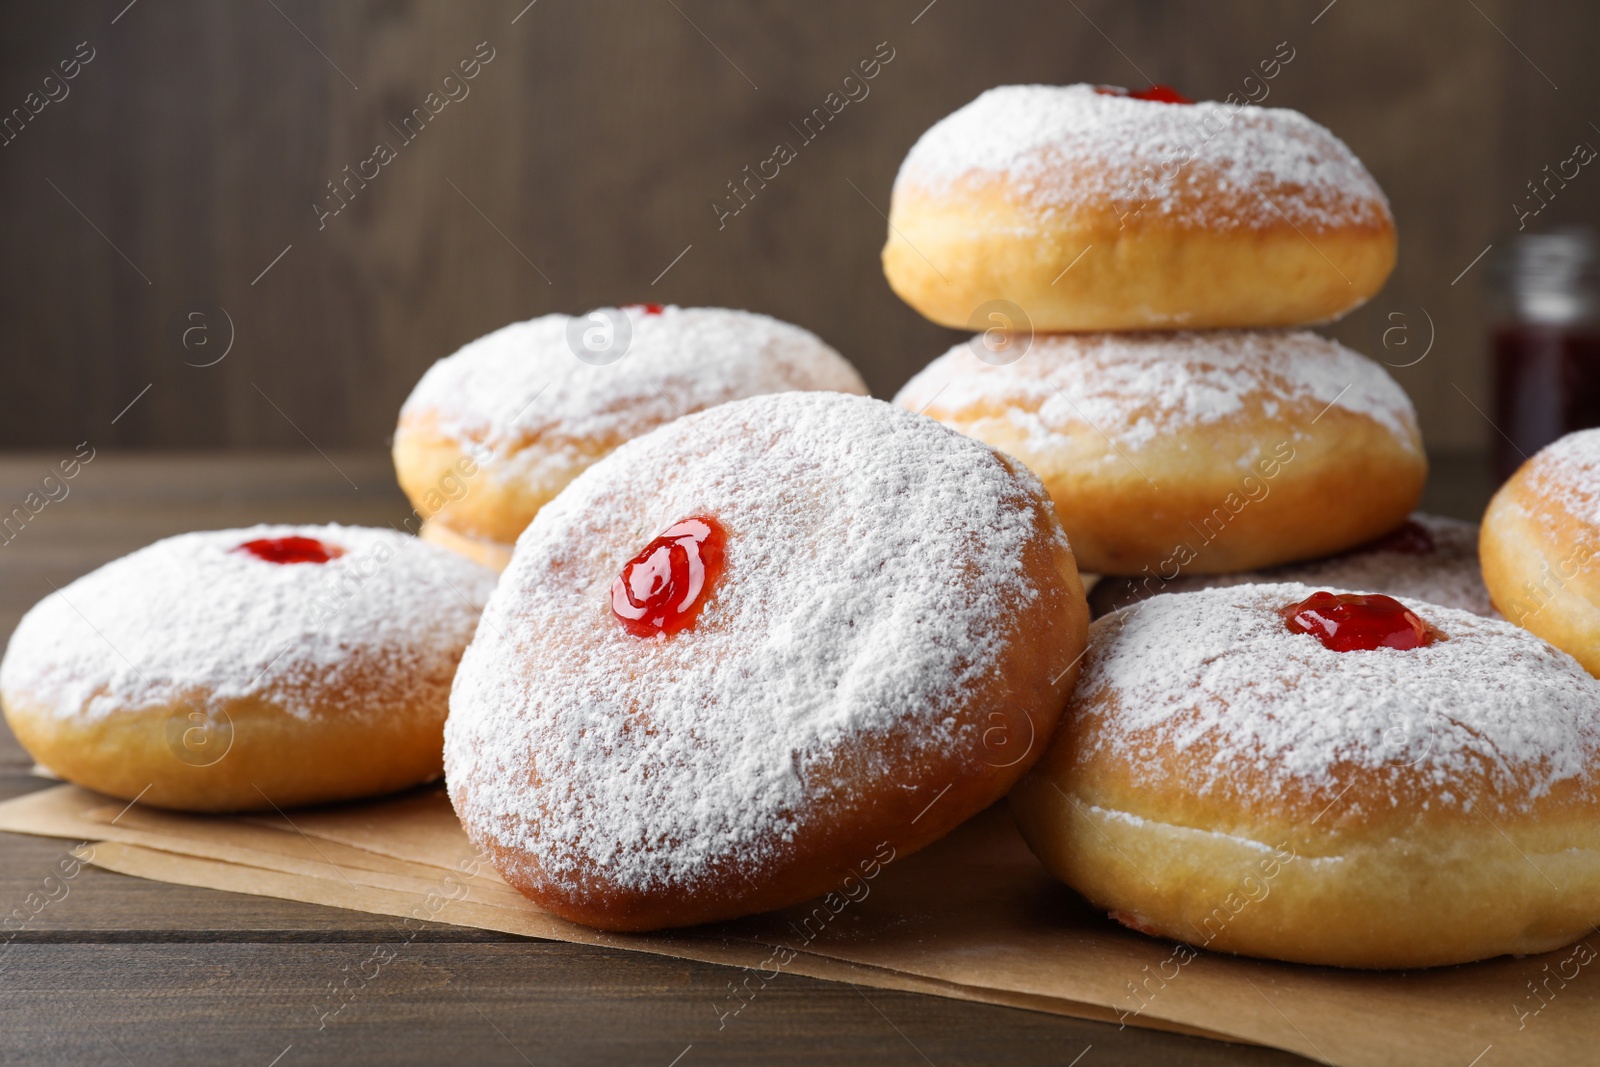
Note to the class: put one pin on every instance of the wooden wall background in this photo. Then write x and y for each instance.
(189, 151)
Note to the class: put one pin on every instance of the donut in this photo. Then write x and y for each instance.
(491, 554)
(492, 433)
(1427, 557)
(1342, 779)
(1194, 453)
(754, 650)
(1086, 208)
(232, 670)
(1540, 540)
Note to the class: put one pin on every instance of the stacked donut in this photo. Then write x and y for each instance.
(1268, 752)
(1136, 265)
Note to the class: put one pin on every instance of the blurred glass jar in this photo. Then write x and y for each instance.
(1546, 343)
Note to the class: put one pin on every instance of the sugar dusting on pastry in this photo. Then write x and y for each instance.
(1220, 668)
(1171, 159)
(192, 618)
(1136, 388)
(873, 560)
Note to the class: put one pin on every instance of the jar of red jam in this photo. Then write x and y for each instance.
(1546, 344)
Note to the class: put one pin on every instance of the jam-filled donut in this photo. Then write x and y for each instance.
(239, 669)
(1096, 209)
(1320, 777)
(492, 554)
(753, 648)
(1427, 557)
(1193, 453)
(492, 433)
(1540, 546)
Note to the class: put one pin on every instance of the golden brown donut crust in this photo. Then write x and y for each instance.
(493, 432)
(1280, 890)
(1115, 214)
(1372, 867)
(479, 495)
(243, 755)
(1346, 484)
(195, 676)
(1289, 476)
(1540, 549)
(949, 255)
(491, 554)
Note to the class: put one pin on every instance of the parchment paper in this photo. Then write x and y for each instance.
(973, 917)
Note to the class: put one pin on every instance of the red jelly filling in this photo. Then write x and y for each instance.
(1349, 622)
(1408, 539)
(662, 589)
(648, 309)
(1161, 94)
(291, 550)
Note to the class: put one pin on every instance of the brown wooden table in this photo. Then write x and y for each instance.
(124, 971)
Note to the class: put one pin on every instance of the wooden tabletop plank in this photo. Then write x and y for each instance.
(541, 1003)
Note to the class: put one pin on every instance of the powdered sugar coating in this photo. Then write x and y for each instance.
(1567, 473)
(1137, 387)
(1220, 669)
(1448, 576)
(872, 558)
(189, 619)
(523, 384)
(1069, 148)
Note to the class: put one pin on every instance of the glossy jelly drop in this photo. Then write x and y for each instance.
(1352, 622)
(648, 309)
(291, 550)
(1160, 94)
(663, 588)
